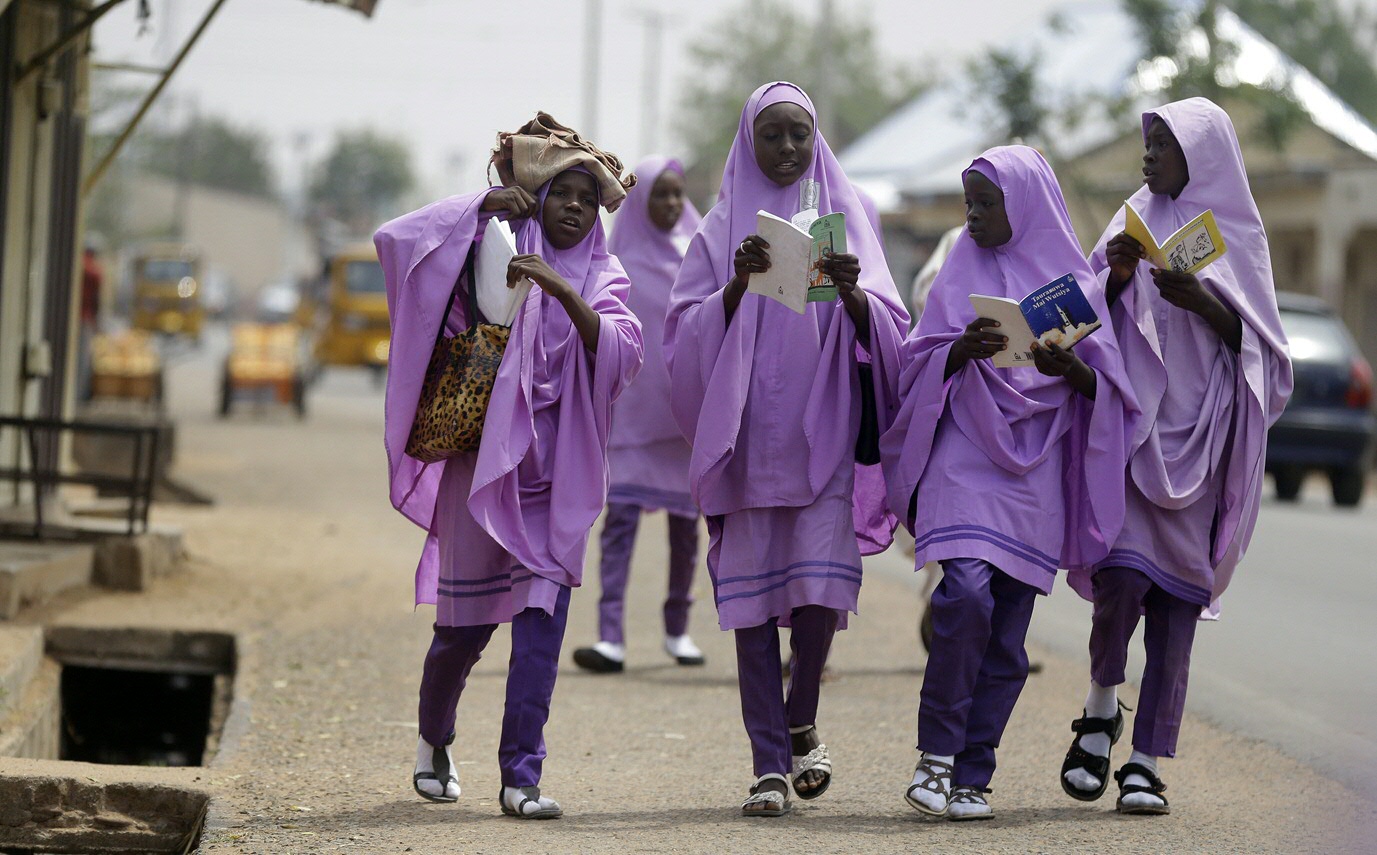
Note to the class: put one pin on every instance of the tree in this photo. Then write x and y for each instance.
(361, 180)
(1335, 44)
(763, 40)
(1164, 31)
(1010, 86)
(210, 152)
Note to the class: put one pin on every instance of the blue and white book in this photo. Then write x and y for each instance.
(1057, 313)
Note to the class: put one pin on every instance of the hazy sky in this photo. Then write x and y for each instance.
(446, 75)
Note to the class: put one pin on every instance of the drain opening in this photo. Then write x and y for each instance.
(142, 697)
(135, 718)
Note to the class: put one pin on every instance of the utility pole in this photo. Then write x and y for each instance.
(654, 22)
(825, 96)
(592, 56)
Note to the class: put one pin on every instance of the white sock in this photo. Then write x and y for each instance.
(1100, 702)
(512, 798)
(1135, 799)
(425, 763)
(934, 801)
(615, 652)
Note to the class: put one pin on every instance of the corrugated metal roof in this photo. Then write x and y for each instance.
(921, 148)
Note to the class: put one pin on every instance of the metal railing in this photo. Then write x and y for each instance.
(41, 434)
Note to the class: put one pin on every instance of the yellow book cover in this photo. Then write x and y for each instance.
(1190, 249)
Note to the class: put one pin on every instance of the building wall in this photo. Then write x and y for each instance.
(247, 239)
(43, 132)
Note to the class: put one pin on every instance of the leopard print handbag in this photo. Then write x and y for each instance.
(458, 384)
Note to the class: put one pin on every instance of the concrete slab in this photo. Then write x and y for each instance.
(21, 650)
(74, 807)
(32, 572)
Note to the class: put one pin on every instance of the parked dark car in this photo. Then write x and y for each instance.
(1329, 424)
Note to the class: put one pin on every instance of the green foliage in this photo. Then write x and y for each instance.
(210, 152)
(362, 180)
(763, 40)
(1164, 30)
(1011, 93)
(206, 150)
(1333, 42)
(1160, 24)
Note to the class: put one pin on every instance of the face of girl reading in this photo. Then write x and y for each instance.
(1164, 163)
(666, 200)
(986, 220)
(570, 209)
(783, 135)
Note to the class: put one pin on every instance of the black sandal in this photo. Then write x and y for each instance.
(1155, 787)
(442, 774)
(1078, 758)
(938, 781)
(529, 795)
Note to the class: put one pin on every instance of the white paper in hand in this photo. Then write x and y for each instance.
(498, 303)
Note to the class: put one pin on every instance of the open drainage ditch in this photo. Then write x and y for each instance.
(133, 697)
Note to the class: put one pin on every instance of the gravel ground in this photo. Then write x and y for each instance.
(306, 563)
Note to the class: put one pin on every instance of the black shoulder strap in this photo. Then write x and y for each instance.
(472, 296)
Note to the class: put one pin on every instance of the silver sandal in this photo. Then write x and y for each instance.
(775, 803)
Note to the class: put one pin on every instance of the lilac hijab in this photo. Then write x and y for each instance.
(711, 362)
(651, 257)
(545, 363)
(1018, 416)
(1244, 392)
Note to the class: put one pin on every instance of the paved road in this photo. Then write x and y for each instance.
(303, 560)
(1293, 659)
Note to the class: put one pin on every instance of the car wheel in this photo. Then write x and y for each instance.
(1348, 486)
(1289, 480)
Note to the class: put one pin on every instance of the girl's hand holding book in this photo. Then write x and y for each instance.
(1123, 254)
(1055, 361)
(976, 343)
(752, 256)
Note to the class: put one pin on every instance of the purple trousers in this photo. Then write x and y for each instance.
(977, 666)
(618, 537)
(536, 639)
(1122, 595)
(767, 712)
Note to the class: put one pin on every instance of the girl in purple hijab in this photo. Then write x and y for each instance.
(507, 525)
(648, 456)
(1003, 474)
(772, 402)
(1210, 365)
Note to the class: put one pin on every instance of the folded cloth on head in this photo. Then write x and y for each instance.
(543, 148)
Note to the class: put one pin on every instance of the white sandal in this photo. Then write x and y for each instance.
(937, 781)
(775, 802)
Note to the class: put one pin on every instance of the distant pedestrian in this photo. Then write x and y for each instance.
(1209, 362)
(648, 455)
(507, 525)
(774, 403)
(1002, 474)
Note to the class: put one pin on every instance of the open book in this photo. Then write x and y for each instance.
(1189, 249)
(498, 303)
(793, 278)
(1057, 313)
